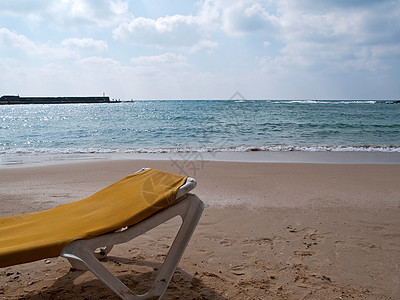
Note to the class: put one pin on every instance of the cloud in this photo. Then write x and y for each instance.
(191, 32)
(101, 13)
(177, 30)
(355, 22)
(239, 17)
(11, 40)
(169, 59)
(243, 17)
(23, 6)
(68, 49)
(337, 37)
(86, 44)
(204, 45)
(99, 63)
(317, 5)
(281, 42)
(194, 32)
(69, 13)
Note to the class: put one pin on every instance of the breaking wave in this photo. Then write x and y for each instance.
(273, 148)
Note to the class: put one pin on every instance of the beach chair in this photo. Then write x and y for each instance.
(85, 231)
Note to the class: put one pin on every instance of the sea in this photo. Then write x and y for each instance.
(197, 126)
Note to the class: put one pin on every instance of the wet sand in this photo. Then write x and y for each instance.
(269, 231)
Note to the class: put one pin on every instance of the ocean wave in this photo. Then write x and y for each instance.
(271, 148)
(332, 101)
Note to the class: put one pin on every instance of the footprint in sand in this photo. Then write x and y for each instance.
(258, 241)
(312, 237)
(304, 253)
(367, 245)
(238, 270)
(226, 242)
(310, 234)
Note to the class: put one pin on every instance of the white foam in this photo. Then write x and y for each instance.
(271, 148)
(329, 101)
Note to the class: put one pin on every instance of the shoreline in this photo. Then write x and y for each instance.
(285, 184)
(317, 157)
(269, 231)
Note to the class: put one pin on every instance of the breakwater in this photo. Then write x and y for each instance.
(4, 100)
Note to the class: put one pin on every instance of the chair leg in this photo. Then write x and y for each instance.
(189, 222)
(81, 252)
(88, 258)
(76, 263)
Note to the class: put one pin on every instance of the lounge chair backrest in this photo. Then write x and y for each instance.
(29, 237)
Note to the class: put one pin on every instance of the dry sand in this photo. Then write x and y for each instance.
(269, 231)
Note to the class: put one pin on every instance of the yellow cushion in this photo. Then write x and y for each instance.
(34, 236)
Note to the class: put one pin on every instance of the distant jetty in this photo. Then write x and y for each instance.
(7, 99)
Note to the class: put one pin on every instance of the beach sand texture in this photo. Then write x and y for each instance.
(269, 231)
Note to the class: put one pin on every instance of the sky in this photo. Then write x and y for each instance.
(207, 49)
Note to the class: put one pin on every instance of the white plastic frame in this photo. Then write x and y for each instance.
(82, 253)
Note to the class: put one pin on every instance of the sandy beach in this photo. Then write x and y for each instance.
(269, 231)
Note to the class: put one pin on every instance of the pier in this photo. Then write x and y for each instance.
(7, 99)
